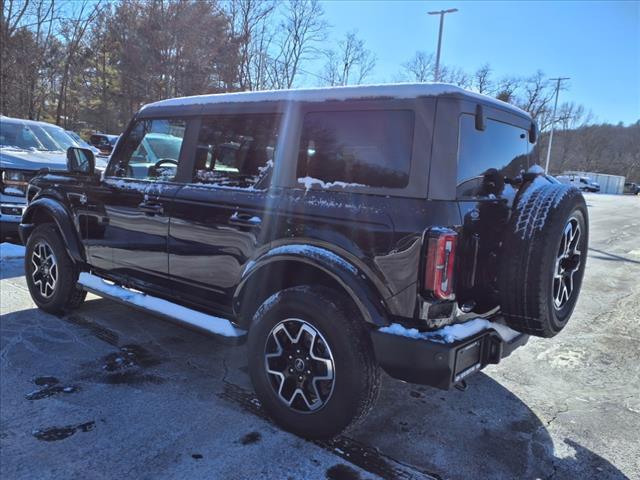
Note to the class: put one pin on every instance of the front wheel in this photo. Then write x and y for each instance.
(50, 273)
(311, 362)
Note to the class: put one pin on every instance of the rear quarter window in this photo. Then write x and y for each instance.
(365, 148)
(486, 157)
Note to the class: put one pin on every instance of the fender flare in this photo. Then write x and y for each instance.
(63, 219)
(351, 279)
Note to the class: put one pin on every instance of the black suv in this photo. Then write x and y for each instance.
(339, 230)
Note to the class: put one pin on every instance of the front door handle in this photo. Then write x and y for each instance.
(151, 208)
(245, 220)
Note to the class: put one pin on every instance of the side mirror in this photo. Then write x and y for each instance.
(80, 160)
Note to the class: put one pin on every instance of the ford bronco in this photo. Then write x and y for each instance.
(343, 231)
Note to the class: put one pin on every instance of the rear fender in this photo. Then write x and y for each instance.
(351, 279)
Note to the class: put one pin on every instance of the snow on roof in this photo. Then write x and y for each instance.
(352, 92)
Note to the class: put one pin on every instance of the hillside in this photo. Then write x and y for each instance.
(612, 149)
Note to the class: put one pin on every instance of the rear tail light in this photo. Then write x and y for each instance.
(440, 263)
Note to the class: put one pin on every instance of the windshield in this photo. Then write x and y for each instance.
(27, 137)
(165, 146)
(78, 139)
(60, 137)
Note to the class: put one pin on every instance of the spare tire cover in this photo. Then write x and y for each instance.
(543, 258)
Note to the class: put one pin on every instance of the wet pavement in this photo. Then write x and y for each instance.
(109, 392)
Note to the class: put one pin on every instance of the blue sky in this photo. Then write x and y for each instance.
(597, 44)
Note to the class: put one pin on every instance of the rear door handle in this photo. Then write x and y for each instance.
(151, 208)
(245, 220)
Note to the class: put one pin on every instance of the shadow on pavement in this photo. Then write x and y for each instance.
(11, 268)
(611, 257)
(485, 432)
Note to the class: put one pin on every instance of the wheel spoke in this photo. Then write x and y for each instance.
(568, 262)
(45, 269)
(296, 365)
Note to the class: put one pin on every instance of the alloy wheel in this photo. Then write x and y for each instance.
(568, 262)
(299, 365)
(45, 268)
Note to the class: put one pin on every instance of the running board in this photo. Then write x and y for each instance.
(220, 327)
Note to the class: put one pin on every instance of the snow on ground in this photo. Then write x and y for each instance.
(453, 333)
(216, 325)
(10, 250)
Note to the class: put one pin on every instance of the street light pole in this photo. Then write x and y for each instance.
(553, 120)
(442, 13)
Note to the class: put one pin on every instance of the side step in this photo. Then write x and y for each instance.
(220, 327)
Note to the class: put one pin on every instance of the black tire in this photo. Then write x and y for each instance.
(532, 296)
(64, 293)
(356, 377)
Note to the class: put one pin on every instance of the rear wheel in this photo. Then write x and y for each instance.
(50, 273)
(311, 362)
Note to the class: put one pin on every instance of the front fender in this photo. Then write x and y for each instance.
(349, 277)
(56, 211)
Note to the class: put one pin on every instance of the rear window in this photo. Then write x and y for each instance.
(369, 148)
(486, 157)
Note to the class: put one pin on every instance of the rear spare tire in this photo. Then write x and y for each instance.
(543, 259)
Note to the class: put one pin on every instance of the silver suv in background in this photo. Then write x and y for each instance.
(27, 146)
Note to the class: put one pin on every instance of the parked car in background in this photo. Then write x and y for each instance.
(103, 142)
(26, 147)
(584, 184)
(631, 188)
(81, 142)
(65, 140)
(342, 230)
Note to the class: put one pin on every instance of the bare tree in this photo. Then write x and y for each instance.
(301, 30)
(455, 76)
(506, 89)
(352, 63)
(482, 80)
(537, 95)
(251, 29)
(73, 31)
(420, 68)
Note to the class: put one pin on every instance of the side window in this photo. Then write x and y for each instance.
(151, 150)
(236, 150)
(368, 147)
(486, 157)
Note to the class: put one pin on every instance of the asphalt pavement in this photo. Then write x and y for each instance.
(110, 392)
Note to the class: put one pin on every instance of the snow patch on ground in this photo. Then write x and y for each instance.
(453, 333)
(308, 182)
(219, 326)
(10, 250)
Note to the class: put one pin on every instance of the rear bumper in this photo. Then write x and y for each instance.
(441, 365)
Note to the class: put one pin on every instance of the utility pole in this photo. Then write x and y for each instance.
(553, 120)
(442, 13)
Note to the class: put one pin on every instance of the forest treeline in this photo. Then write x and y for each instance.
(90, 64)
